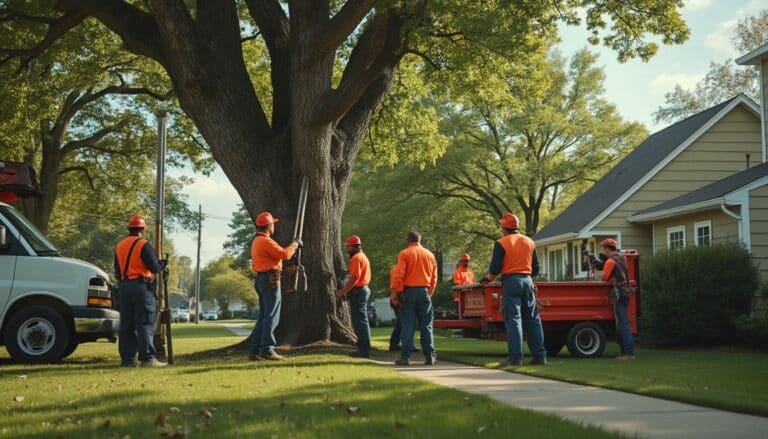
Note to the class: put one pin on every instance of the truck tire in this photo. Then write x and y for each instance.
(71, 347)
(586, 340)
(37, 334)
(554, 344)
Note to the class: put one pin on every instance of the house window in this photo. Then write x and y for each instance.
(556, 264)
(676, 237)
(702, 233)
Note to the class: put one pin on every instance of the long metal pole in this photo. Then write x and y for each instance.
(197, 269)
(159, 211)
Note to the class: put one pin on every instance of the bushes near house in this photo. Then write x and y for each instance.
(694, 296)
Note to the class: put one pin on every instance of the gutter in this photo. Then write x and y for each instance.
(676, 211)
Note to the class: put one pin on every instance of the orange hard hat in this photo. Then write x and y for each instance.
(464, 257)
(265, 219)
(609, 242)
(137, 222)
(353, 240)
(510, 221)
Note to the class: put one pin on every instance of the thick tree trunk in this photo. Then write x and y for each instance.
(39, 208)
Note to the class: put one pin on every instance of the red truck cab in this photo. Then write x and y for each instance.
(576, 314)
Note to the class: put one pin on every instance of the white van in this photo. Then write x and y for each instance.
(48, 303)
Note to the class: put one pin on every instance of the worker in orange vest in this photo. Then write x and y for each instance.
(615, 271)
(415, 279)
(514, 258)
(357, 291)
(135, 267)
(267, 262)
(463, 275)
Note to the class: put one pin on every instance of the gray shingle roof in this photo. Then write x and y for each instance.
(713, 190)
(626, 173)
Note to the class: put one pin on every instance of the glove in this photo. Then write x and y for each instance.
(298, 242)
(166, 273)
(163, 263)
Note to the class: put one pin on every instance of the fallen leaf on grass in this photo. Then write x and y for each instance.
(282, 403)
(481, 429)
(106, 424)
(204, 412)
(22, 377)
(174, 410)
(399, 424)
(59, 387)
(353, 409)
(18, 398)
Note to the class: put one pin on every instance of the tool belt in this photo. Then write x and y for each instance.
(623, 292)
(274, 278)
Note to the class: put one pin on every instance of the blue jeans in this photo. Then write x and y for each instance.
(624, 330)
(416, 304)
(137, 321)
(394, 339)
(520, 310)
(263, 334)
(358, 305)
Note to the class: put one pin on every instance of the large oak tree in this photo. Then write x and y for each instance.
(312, 122)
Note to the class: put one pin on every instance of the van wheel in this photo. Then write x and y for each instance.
(586, 340)
(71, 347)
(37, 334)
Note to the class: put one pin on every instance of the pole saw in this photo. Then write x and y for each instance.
(295, 276)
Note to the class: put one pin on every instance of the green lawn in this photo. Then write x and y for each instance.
(728, 380)
(317, 394)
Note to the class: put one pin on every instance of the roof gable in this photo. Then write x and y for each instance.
(635, 169)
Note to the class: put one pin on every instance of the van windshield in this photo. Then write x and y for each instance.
(34, 237)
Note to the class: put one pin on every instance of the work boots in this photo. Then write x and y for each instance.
(152, 362)
(402, 361)
(431, 360)
(538, 361)
(273, 356)
(508, 362)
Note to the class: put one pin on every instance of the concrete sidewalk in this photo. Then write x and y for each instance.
(236, 328)
(627, 413)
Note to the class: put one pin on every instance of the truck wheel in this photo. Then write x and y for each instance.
(586, 340)
(554, 344)
(71, 347)
(37, 334)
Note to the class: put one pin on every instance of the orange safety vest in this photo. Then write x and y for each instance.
(463, 276)
(518, 254)
(136, 266)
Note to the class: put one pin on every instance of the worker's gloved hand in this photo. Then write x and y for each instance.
(298, 242)
(166, 273)
(163, 263)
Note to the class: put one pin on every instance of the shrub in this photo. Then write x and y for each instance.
(693, 296)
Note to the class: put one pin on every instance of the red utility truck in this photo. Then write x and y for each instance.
(576, 314)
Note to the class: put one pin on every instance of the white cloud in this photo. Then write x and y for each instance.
(666, 82)
(720, 38)
(696, 5)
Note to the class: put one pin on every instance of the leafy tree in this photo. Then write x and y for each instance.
(331, 64)
(723, 80)
(229, 287)
(519, 149)
(238, 243)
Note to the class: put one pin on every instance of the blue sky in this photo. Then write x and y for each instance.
(636, 88)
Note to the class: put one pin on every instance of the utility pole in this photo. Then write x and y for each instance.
(197, 269)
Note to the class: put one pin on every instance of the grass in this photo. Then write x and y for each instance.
(206, 394)
(734, 381)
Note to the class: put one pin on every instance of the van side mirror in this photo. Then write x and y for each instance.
(3, 238)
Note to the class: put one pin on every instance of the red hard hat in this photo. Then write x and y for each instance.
(353, 240)
(609, 242)
(265, 219)
(464, 257)
(510, 221)
(137, 222)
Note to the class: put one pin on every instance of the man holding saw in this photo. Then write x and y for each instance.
(267, 262)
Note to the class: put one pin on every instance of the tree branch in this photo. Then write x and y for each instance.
(56, 29)
(91, 140)
(341, 25)
(82, 169)
(136, 28)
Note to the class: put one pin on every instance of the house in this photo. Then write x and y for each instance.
(700, 181)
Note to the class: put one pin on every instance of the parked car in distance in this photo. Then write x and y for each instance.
(180, 315)
(373, 317)
(210, 315)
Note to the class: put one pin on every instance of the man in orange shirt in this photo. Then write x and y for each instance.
(135, 267)
(358, 293)
(463, 275)
(267, 262)
(414, 282)
(514, 258)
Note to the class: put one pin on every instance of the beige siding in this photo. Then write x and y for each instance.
(724, 228)
(718, 153)
(758, 216)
